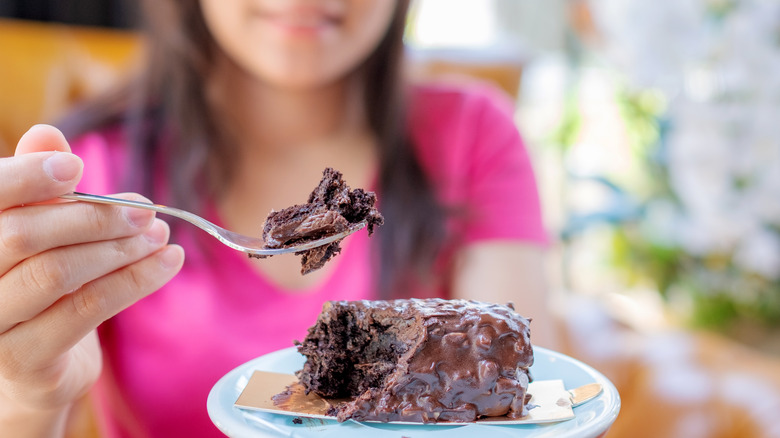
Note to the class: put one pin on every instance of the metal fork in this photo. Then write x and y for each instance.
(240, 242)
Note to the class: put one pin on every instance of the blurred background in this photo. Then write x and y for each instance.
(654, 128)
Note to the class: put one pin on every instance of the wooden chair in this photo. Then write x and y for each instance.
(46, 68)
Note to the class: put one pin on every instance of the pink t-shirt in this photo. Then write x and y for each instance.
(164, 353)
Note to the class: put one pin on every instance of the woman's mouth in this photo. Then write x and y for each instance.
(298, 21)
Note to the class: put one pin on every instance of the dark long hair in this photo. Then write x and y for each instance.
(168, 122)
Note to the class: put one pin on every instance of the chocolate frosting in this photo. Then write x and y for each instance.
(308, 224)
(453, 360)
(330, 209)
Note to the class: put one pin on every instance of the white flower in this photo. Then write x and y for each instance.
(759, 252)
(721, 233)
(651, 40)
(699, 159)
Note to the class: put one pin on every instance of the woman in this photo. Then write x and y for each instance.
(241, 106)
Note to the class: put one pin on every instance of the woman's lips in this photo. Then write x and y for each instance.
(298, 21)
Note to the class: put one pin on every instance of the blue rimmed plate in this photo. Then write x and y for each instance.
(592, 419)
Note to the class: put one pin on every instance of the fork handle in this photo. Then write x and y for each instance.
(246, 244)
(78, 196)
(171, 211)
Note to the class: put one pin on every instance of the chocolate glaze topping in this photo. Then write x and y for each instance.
(302, 222)
(419, 360)
(331, 208)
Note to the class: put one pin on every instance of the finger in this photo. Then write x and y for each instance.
(64, 169)
(41, 340)
(37, 176)
(42, 138)
(31, 230)
(36, 283)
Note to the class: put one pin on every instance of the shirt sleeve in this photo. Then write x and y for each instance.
(502, 199)
(468, 144)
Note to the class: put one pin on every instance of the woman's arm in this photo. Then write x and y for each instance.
(32, 423)
(502, 272)
(65, 267)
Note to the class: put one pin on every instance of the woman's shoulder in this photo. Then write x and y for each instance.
(442, 102)
(456, 121)
(459, 114)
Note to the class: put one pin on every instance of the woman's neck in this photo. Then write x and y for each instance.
(286, 138)
(265, 117)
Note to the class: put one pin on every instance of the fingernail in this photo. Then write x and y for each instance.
(62, 166)
(157, 234)
(138, 217)
(170, 257)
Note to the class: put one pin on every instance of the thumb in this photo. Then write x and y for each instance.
(42, 168)
(42, 138)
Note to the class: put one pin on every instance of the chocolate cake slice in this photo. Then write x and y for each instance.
(419, 360)
(331, 209)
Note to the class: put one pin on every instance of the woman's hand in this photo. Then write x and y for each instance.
(65, 267)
